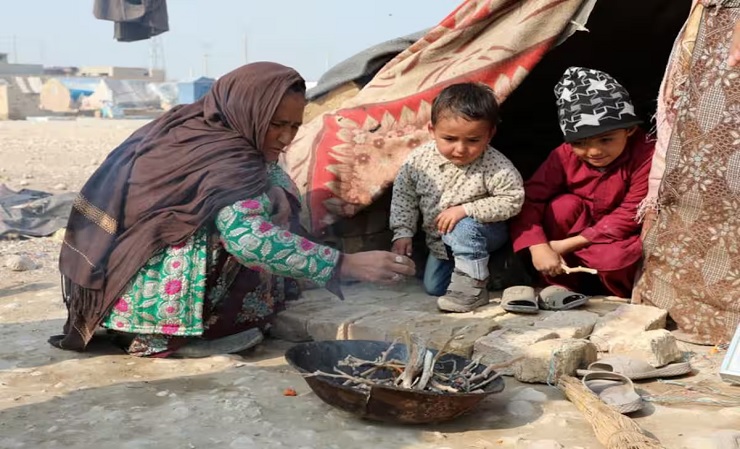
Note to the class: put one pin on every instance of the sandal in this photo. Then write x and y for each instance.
(555, 297)
(230, 344)
(635, 369)
(519, 299)
(615, 390)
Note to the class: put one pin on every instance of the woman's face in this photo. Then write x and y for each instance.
(284, 125)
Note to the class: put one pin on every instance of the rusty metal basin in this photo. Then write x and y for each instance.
(383, 403)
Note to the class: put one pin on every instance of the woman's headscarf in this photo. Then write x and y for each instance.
(162, 184)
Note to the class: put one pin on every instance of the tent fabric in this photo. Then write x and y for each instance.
(32, 213)
(345, 159)
(361, 67)
(122, 94)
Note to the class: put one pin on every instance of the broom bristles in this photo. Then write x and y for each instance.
(612, 429)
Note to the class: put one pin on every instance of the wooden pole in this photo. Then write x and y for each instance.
(612, 429)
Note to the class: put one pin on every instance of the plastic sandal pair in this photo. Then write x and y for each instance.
(522, 299)
(611, 379)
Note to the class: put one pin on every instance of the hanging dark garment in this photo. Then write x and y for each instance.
(135, 20)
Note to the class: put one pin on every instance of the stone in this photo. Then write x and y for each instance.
(628, 319)
(601, 305)
(546, 361)
(24, 183)
(505, 345)
(438, 328)
(570, 323)
(332, 323)
(20, 263)
(60, 186)
(521, 320)
(658, 347)
(388, 324)
(292, 324)
(381, 326)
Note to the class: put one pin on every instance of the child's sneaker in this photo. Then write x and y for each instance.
(464, 294)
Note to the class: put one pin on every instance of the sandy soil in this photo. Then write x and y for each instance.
(56, 399)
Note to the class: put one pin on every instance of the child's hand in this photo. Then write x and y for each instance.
(546, 260)
(402, 246)
(448, 219)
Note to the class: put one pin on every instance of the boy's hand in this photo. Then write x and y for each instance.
(448, 219)
(546, 260)
(569, 245)
(402, 246)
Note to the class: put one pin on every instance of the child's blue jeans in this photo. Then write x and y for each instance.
(471, 244)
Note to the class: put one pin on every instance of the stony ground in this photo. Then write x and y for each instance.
(56, 399)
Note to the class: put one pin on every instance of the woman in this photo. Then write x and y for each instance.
(180, 237)
(692, 249)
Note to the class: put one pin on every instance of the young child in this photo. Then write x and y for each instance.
(465, 191)
(581, 204)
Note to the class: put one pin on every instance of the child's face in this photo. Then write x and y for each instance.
(459, 140)
(603, 149)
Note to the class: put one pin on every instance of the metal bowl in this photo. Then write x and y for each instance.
(383, 403)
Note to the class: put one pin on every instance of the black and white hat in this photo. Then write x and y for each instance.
(591, 102)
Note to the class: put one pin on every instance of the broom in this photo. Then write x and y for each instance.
(612, 429)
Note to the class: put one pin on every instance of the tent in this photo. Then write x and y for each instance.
(122, 94)
(66, 94)
(193, 90)
(378, 114)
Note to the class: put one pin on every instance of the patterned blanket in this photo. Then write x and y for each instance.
(346, 158)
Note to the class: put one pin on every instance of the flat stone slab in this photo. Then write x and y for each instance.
(547, 360)
(627, 320)
(505, 345)
(570, 323)
(658, 347)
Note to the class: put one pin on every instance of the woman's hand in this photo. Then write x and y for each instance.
(377, 266)
(546, 260)
(280, 206)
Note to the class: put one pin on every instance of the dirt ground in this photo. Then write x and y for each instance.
(56, 399)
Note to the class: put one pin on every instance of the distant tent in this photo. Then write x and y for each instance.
(194, 90)
(66, 94)
(122, 94)
(166, 92)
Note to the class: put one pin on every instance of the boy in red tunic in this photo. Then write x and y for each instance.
(580, 205)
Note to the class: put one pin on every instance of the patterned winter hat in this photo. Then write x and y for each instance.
(591, 102)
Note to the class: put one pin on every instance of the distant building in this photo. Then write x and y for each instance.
(61, 71)
(194, 90)
(19, 97)
(6, 68)
(66, 94)
(122, 73)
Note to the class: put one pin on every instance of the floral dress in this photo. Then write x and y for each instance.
(224, 279)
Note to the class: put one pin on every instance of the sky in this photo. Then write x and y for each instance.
(307, 35)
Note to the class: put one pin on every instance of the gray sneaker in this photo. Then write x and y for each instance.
(464, 294)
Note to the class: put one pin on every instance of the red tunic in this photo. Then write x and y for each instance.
(567, 197)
